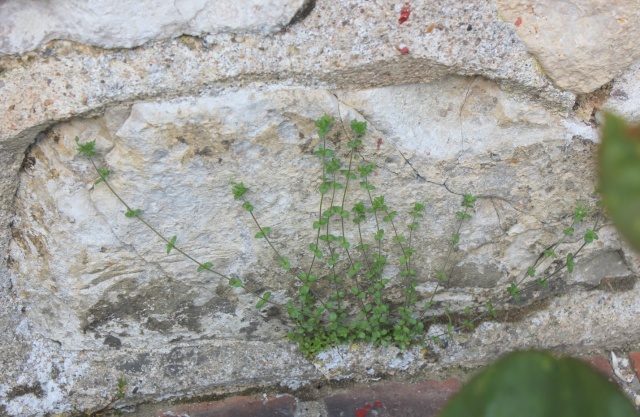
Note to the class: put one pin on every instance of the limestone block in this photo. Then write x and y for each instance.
(26, 25)
(96, 279)
(581, 45)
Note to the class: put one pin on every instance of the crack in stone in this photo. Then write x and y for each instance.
(466, 96)
(497, 215)
(126, 246)
(303, 12)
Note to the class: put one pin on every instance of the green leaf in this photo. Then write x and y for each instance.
(590, 236)
(264, 233)
(87, 149)
(620, 176)
(568, 231)
(441, 275)
(235, 282)
(343, 242)
(455, 239)
(579, 213)
(514, 291)
(570, 262)
(122, 388)
(367, 186)
(133, 213)
(324, 188)
(379, 235)
(171, 244)
(463, 215)
(531, 272)
(263, 301)
(324, 125)
(206, 265)
(284, 263)
(390, 216)
(550, 253)
(535, 384)
(359, 128)
(468, 201)
(247, 206)
(491, 310)
(104, 174)
(238, 190)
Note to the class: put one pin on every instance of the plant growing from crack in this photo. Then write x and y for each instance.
(355, 240)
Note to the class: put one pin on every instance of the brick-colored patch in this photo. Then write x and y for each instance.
(634, 358)
(284, 406)
(601, 363)
(394, 399)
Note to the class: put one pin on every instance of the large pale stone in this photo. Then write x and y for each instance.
(99, 287)
(580, 44)
(28, 24)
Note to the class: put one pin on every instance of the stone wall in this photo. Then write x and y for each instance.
(500, 99)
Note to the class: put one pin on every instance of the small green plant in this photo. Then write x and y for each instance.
(343, 295)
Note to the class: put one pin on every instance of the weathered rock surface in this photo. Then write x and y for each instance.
(27, 25)
(175, 160)
(92, 295)
(581, 45)
(625, 94)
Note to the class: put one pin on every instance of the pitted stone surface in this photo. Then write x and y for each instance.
(580, 44)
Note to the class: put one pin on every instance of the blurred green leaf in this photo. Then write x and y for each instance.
(535, 384)
(206, 265)
(171, 244)
(620, 176)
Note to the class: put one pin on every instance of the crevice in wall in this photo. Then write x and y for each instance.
(303, 12)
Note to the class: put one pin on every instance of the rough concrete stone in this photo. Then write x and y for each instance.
(581, 45)
(91, 296)
(606, 265)
(28, 25)
(624, 99)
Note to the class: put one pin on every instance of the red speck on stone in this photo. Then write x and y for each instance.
(518, 21)
(367, 406)
(405, 12)
(378, 144)
(404, 50)
(361, 412)
(634, 357)
(377, 404)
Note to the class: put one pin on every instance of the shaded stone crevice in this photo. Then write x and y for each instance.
(301, 14)
(464, 102)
